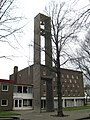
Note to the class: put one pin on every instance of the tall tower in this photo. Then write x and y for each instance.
(42, 27)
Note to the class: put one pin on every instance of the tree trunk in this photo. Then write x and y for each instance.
(59, 86)
(59, 92)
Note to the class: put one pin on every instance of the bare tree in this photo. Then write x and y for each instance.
(64, 31)
(9, 22)
(83, 16)
(82, 59)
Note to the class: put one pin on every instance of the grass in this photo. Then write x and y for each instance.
(11, 113)
(8, 113)
(76, 108)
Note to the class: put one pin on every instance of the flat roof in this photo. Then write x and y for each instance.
(8, 81)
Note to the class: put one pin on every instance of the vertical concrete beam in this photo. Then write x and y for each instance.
(36, 67)
(49, 96)
(75, 104)
(37, 88)
(64, 103)
(48, 44)
(37, 43)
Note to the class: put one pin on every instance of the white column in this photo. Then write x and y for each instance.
(75, 102)
(64, 103)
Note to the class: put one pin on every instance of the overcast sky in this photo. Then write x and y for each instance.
(29, 10)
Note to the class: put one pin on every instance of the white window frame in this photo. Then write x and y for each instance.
(6, 102)
(5, 89)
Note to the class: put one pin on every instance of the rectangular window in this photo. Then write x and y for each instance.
(4, 87)
(4, 102)
(16, 103)
(29, 89)
(27, 102)
(25, 89)
(15, 89)
(67, 76)
(19, 89)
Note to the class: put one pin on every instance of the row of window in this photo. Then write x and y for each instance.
(22, 89)
(18, 89)
(65, 75)
(70, 95)
(71, 86)
(66, 80)
(26, 102)
(72, 76)
(22, 103)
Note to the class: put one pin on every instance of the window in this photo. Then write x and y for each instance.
(78, 94)
(67, 76)
(63, 94)
(25, 89)
(78, 86)
(29, 90)
(73, 85)
(15, 89)
(56, 74)
(43, 104)
(4, 87)
(68, 94)
(65, 90)
(27, 102)
(65, 81)
(76, 91)
(44, 93)
(4, 102)
(19, 89)
(44, 82)
(76, 77)
(73, 93)
(16, 103)
(71, 90)
(62, 76)
(44, 73)
(70, 81)
(54, 79)
(72, 77)
(75, 81)
(62, 85)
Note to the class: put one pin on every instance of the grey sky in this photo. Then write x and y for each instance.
(29, 10)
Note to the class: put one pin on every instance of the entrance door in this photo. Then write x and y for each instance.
(17, 104)
(43, 104)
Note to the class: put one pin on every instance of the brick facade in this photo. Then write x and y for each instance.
(6, 94)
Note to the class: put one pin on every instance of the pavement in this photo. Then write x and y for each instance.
(69, 115)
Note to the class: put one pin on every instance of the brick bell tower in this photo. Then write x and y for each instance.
(42, 27)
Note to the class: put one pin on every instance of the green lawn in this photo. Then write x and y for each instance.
(8, 113)
(76, 108)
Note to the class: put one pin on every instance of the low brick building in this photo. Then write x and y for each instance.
(6, 94)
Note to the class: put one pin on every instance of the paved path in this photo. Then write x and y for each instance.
(69, 115)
